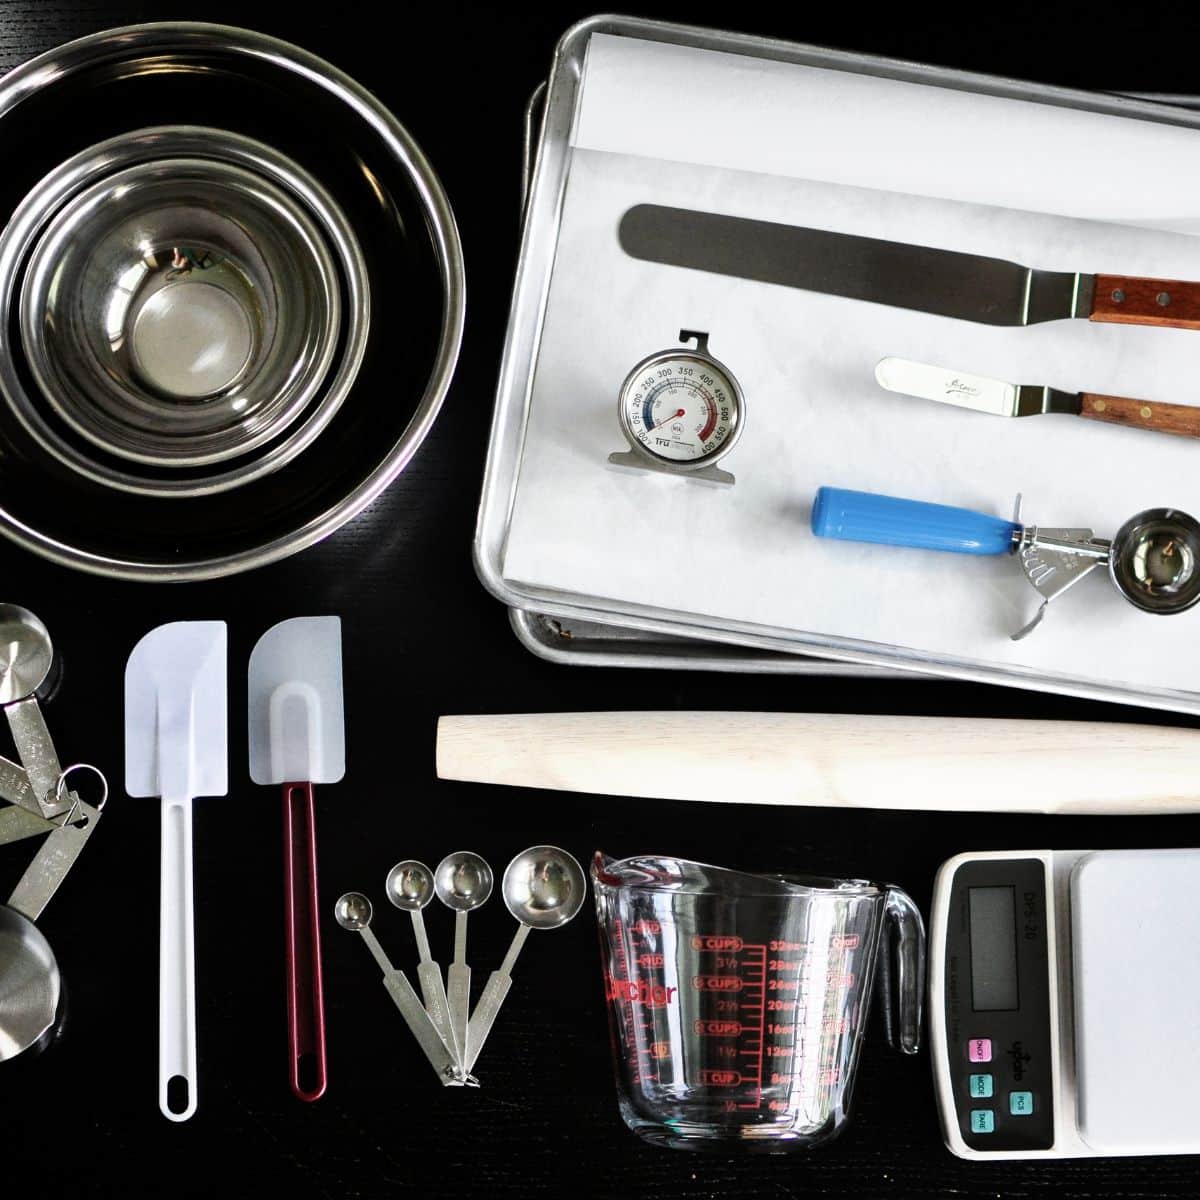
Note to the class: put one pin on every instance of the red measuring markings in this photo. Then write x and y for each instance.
(732, 984)
(631, 1020)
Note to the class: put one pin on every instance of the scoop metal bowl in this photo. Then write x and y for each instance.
(1155, 560)
(178, 313)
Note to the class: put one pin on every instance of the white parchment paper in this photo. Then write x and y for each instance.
(805, 361)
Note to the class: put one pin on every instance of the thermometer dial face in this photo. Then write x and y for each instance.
(681, 409)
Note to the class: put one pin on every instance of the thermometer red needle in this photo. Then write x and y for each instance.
(673, 417)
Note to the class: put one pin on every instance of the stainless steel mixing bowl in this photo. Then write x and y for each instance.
(80, 238)
(179, 312)
(100, 88)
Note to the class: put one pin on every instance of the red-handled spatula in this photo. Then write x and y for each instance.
(297, 738)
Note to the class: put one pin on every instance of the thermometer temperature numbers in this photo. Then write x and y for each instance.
(681, 411)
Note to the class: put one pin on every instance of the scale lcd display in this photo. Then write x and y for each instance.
(993, 921)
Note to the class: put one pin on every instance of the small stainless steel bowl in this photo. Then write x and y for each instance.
(103, 395)
(180, 312)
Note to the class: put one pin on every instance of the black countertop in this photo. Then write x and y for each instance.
(422, 638)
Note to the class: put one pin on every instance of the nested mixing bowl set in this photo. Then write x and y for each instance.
(231, 300)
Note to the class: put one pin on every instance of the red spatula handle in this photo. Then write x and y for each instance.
(1124, 300)
(305, 990)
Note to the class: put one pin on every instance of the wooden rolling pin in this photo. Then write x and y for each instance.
(939, 764)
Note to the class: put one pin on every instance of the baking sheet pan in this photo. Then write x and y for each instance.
(527, 327)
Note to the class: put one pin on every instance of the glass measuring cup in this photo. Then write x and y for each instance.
(737, 1002)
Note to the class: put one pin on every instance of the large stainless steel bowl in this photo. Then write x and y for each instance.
(100, 88)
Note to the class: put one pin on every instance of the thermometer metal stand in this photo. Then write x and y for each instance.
(673, 371)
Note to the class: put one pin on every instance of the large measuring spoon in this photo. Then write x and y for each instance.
(463, 882)
(353, 912)
(543, 887)
(409, 886)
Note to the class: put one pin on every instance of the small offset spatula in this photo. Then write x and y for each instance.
(1002, 399)
(297, 738)
(176, 747)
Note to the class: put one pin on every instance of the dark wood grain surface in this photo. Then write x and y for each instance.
(422, 638)
(1173, 303)
(1180, 419)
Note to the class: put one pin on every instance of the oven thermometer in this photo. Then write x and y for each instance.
(681, 411)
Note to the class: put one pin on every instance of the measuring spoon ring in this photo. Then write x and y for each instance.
(543, 888)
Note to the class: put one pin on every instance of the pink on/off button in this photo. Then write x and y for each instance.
(979, 1050)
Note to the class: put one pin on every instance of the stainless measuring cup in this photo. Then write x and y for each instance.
(737, 1002)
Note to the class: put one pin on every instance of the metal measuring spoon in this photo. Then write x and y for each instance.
(353, 911)
(463, 882)
(543, 887)
(409, 886)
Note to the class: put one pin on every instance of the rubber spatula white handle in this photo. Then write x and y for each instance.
(176, 965)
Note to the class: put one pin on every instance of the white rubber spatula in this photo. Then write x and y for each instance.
(297, 738)
(176, 747)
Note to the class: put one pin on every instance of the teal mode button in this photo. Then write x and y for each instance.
(983, 1120)
(1020, 1104)
(980, 1087)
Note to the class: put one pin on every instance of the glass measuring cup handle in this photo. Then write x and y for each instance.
(901, 971)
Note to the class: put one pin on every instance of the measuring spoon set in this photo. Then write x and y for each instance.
(39, 802)
(543, 888)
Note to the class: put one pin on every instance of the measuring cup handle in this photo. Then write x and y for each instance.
(901, 971)
(891, 521)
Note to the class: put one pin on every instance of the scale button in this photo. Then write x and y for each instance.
(1020, 1104)
(979, 1050)
(980, 1087)
(983, 1120)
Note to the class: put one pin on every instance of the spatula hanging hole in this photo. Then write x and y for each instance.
(306, 1073)
(178, 1095)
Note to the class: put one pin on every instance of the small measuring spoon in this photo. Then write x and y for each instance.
(353, 912)
(543, 887)
(463, 882)
(409, 886)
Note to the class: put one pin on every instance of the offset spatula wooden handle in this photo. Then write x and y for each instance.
(1125, 300)
(1182, 419)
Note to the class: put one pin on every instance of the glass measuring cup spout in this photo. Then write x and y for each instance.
(737, 1002)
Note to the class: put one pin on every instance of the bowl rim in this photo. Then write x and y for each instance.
(130, 41)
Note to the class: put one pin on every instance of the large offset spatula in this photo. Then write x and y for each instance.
(176, 747)
(297, 738)
(929, 279)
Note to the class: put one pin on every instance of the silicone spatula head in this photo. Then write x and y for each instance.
(297, 728)
(176, 728)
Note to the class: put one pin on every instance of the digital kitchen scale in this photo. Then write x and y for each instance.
(1064, 998)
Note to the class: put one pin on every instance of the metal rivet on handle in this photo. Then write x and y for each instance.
(1164, 298)
(1144, 412)
(1099, 405)
(1118, 295)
